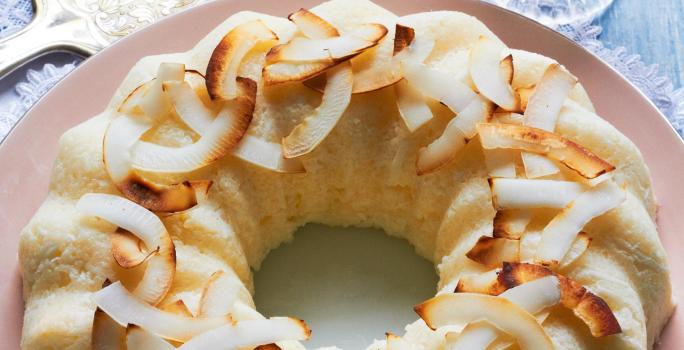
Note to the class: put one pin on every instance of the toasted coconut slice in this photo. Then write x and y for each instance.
(532, 297)
(545, 143)
(381, 66)
(597, 315)
(313, 26)
(528, 246)
(149, 98)
(189, 106)
(140, 339)
(395, 342)
(125, 308)
(505, 342)
(250, 333)
(441, 151)
(410, 100)
(315, 127)
(578, 247)
(366, 77)
(542, 112)
(413, 109)
(178, 307)
(501, 162)
(155, 104)
(107, 334)
(511, 224)
(268, 155)
(542, 316)
(283, 72)
(524, 94)
(506, 68)
(161, 267)
(163, 198)
(311, 50)
(528, 194)
(559, 234)
(121, 135)
(403, 37)
(475, 336)
(490, 80)
(508, 118)
(131, 104)
(483, 283)
(438, 85)
(220, 294)
(457, 132)
(222, 70)
(369, 31)
(190, 301)
(128, 250)
(590, 308)
(418, 48)
(169, 71)
(464, 308)
(598, 180)
(350, 44)
(492, 251)
(538, 166)
(252, 149)
(547, 100)
(375, 69)
(243, 312)
(225, 132)
(479, 110)
(271, 346)
(515, 274)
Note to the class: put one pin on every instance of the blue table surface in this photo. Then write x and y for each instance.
(652, 28)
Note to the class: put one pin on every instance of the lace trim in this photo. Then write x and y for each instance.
(647, 78)
(37, 83)
(14, 15)
(553, 12)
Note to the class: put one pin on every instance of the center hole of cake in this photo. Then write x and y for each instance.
(351, 285)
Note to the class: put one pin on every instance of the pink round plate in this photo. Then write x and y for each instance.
(26, 156)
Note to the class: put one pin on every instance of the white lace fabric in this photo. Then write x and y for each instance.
(647, 78)
(15, 14)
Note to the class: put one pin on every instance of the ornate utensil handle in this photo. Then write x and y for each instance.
(52, 29)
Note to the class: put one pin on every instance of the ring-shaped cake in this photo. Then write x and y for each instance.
(537, 213)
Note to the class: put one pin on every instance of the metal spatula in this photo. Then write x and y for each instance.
(82, 27)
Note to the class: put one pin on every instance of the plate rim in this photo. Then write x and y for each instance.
(142, 31)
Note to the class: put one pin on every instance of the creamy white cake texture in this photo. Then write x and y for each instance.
(362, 174)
